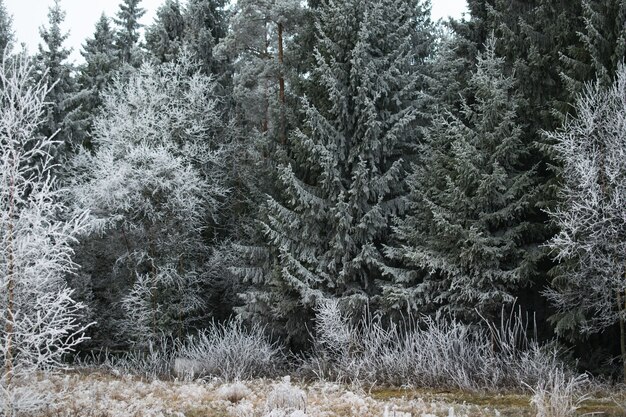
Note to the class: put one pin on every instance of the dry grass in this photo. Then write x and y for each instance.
(105, 395)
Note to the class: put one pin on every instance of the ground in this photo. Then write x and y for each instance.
(96, 394)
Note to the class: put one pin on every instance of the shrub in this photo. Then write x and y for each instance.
(233, 352)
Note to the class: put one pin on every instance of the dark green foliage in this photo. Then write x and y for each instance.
(205, 27)
(602, 45)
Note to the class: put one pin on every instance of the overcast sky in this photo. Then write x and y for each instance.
(29, 15)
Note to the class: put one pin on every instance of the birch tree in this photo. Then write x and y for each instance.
(589, 289)
(39, 320)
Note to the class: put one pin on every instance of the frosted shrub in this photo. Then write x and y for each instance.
(559, 394)
(232, 352)
(234, 392)
(430, 352)
(152, 362)
(286, 397)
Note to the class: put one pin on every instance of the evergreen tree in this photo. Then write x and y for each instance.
(127, 41)
(101, 62)
(165, 36)
(469, 231)
(342, 186)
(205, 27)
(7, 37)
(52, 61)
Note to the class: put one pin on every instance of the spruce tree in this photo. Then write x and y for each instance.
(127, 42)
(165, 36)
(101, 62)
(205, 27)
(602, 45)
(325, 230)
(469, 230)
(52, 62)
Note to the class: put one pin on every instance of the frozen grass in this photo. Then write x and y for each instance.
(430, 352)
(229, 352)
(559, 395)
(103, 395)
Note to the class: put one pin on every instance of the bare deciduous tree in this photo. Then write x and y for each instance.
(590, 288)
(39, 321)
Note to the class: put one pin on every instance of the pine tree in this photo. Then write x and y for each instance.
(205, 27)
(469, 230)
(7, 37)
(342, 186)
(256, 43)
(165, 36)
(101, 62)
(127, 41)
(52, 61)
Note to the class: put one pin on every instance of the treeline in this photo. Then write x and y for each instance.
(258, 158)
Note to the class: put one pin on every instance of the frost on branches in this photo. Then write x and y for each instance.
(590, 287)
(154, 183)
(39, 321)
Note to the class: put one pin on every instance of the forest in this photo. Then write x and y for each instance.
(339, 192)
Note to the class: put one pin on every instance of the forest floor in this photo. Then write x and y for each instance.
(105, 395)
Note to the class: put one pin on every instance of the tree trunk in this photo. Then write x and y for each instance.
(281, 82)
(622, 331)
(10, 313)
(265, 122)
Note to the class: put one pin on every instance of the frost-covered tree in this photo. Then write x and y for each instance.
(52, 60)
(326, 228)
(153, 186)
(39, 320)
(589, 290)
(469, 229)
(164, 37)
(101, 62)
(128, 26)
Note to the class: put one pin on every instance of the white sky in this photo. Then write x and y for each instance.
(81, 17)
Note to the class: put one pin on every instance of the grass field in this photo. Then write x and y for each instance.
(107, 395)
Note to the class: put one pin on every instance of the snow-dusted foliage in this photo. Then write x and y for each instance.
(39, 320)
(154, 184)
(590, 287)
(470, 233)
(326, 223)
(429, 352)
